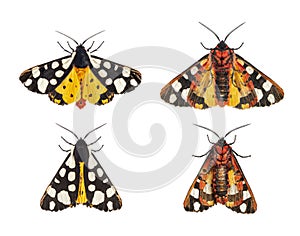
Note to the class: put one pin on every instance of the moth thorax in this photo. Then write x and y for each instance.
(81, 151)
(220, 180)
(82, 59)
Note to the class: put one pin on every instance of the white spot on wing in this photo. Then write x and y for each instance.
(99, 172)
(196, 206)
(194, 70)
(259, 94)
(63, 197)
(92, 162)
(91, 176)
(71, 162)
(95, 62)
(107, 65)
(102, 73)
(67, 61)
(246, 195)
(56, 181)
(72, 187)
(51, 191)
(177, 86)
(249, 70)
(35, 72)
(258, 76)
(91, 188)
(42, 84)
(172, 98)
(51, 205)
(185, 76)
(71, 176)
(133, 82)
(28, 82)
(120, 85)
(108, 81)
(233, 190)
(207, 189)
(110, 191)
(59, 73)
(271, 98)
(243, 207)
(195, 193)
(110, 205)
(54, 65)
(53, 81)
(98, 198)
(62, 172)
(267, 85)
(185, 93)
(126, 71)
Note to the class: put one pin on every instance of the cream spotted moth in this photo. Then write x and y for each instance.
(81, 77)
(81, 180)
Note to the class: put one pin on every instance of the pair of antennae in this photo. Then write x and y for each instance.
(217, 134)
(93, 130)
(84, 40)
(217, 35)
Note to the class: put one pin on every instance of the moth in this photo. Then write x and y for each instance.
(81, 77)
(222, 78)
(220, 180)
(81, 180)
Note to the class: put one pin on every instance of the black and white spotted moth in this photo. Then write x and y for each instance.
(81, 77)
(81, 180)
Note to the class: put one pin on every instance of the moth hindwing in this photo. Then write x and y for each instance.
(81, 180)
(220, 180)
(81, 77)
(222, 78)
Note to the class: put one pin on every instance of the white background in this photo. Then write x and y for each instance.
(29, 137)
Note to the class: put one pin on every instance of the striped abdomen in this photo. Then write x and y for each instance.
(220, 181)
(222, 85)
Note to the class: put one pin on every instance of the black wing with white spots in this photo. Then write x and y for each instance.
(81, 180)
(46, 77)
(62, 192)
(267, 91)
(117, 78)
(100, 191)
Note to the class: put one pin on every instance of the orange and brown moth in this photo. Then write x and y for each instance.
(221, 180)
(222, 78)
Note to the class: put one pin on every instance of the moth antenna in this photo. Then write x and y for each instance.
(93, 130)
(91, 37)
(63, 48)
(208, 130)
(238, 47)
(67, 36)
(233, 30)
(236, 129)
(97, 47)
(210, 30)
(205, 47)
(68, 130)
